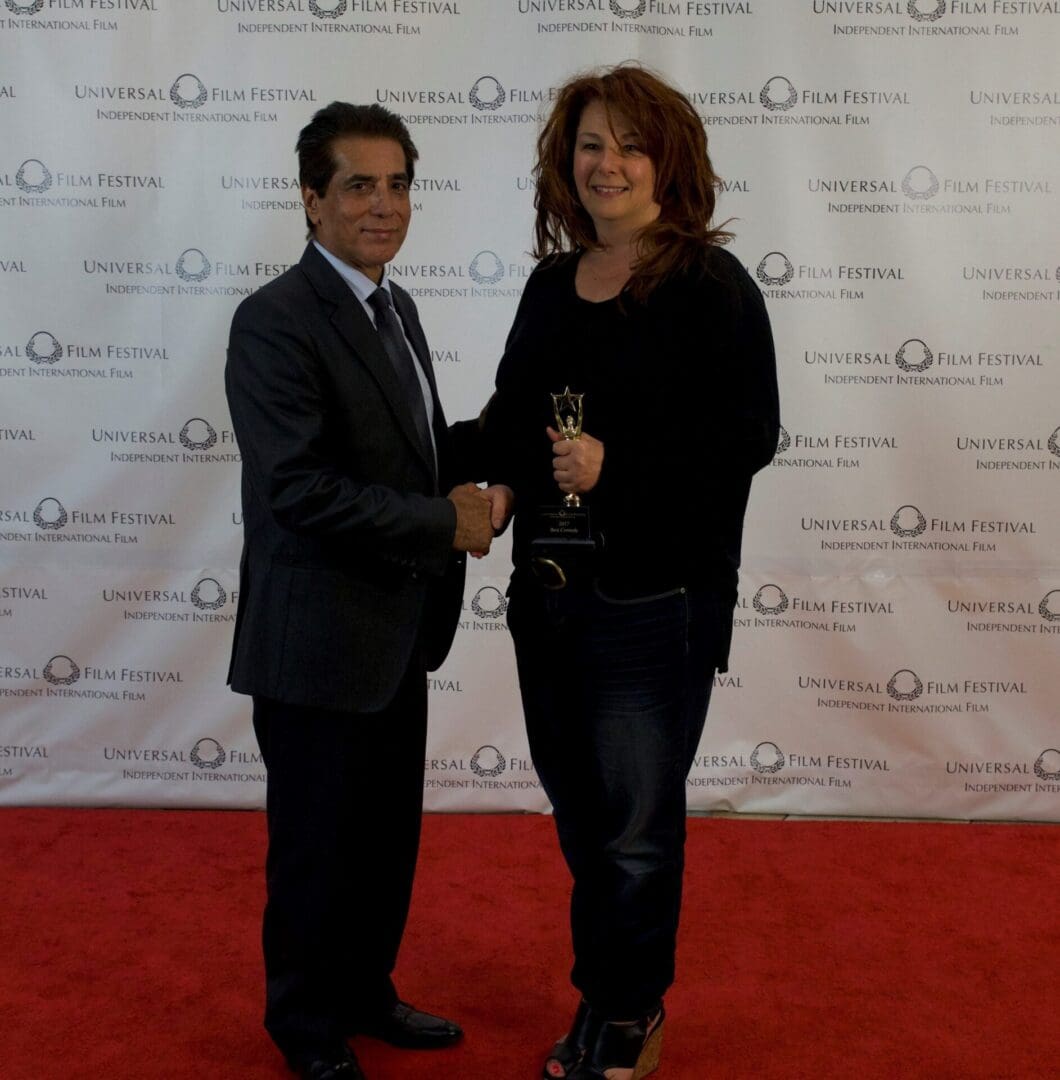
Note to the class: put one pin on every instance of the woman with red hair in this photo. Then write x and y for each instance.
(639, 313)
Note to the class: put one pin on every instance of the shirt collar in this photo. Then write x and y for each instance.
(362, 285)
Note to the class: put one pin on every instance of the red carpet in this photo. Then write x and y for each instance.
(129, 949)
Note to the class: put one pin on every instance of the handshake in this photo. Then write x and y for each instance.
(481, 513)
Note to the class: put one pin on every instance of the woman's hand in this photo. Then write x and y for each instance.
(502, 503)
(576, 463)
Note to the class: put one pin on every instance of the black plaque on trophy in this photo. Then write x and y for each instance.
(563, 542)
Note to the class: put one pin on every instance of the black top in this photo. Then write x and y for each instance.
(682, 392)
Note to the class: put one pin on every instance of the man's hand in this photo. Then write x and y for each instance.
(473, 529)
(577, 462)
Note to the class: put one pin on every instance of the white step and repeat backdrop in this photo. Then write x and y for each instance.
(892, 169)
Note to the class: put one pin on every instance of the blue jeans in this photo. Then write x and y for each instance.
(615, 694)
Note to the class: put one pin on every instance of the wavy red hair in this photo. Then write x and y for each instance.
(675, 141)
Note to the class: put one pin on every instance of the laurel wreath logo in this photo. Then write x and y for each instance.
(24, 9)
(900, 530)
(765, 95)
(500, 605)
(783, 440)
(493, 276)
(922, 365)
(912, 192)
(629, 13)
(208, 605)
(778, 761)
(490, 105)
(905, 695)
(775, 279)
(494, 770)
(1041, 771)
(27, 186)
(43, 523)
(44, 358)
(327, 13)
(193, 275)
(763, 608)
(926, 16)
(1045, 607)
(61, 680)
(214, 762)
(184, 102)
(192, 444)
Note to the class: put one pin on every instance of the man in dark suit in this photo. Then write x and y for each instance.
(351, 582)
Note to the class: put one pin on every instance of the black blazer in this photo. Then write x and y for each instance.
(347, 559)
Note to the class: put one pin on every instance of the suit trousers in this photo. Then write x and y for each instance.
(344, 806)
(615, 693)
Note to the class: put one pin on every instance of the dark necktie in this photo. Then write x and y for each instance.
(386, 322)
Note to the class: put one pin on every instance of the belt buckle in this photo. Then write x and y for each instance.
(549, 573)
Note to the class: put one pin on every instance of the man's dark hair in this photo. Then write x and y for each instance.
(316, 165)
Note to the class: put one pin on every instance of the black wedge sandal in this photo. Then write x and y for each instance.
(567, 1054)
(635, 1046)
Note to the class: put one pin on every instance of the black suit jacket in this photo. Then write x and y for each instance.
(347, 564)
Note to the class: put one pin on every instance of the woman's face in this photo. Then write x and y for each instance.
(614, 177)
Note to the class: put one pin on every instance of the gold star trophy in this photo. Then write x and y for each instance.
(563, 541)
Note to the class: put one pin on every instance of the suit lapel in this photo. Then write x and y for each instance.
(352, 323)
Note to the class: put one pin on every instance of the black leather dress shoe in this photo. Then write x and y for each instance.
(339, 1066)
(408, 1028)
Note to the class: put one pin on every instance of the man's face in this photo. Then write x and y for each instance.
(363, 216)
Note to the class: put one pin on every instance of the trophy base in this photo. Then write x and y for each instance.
(563, 546)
